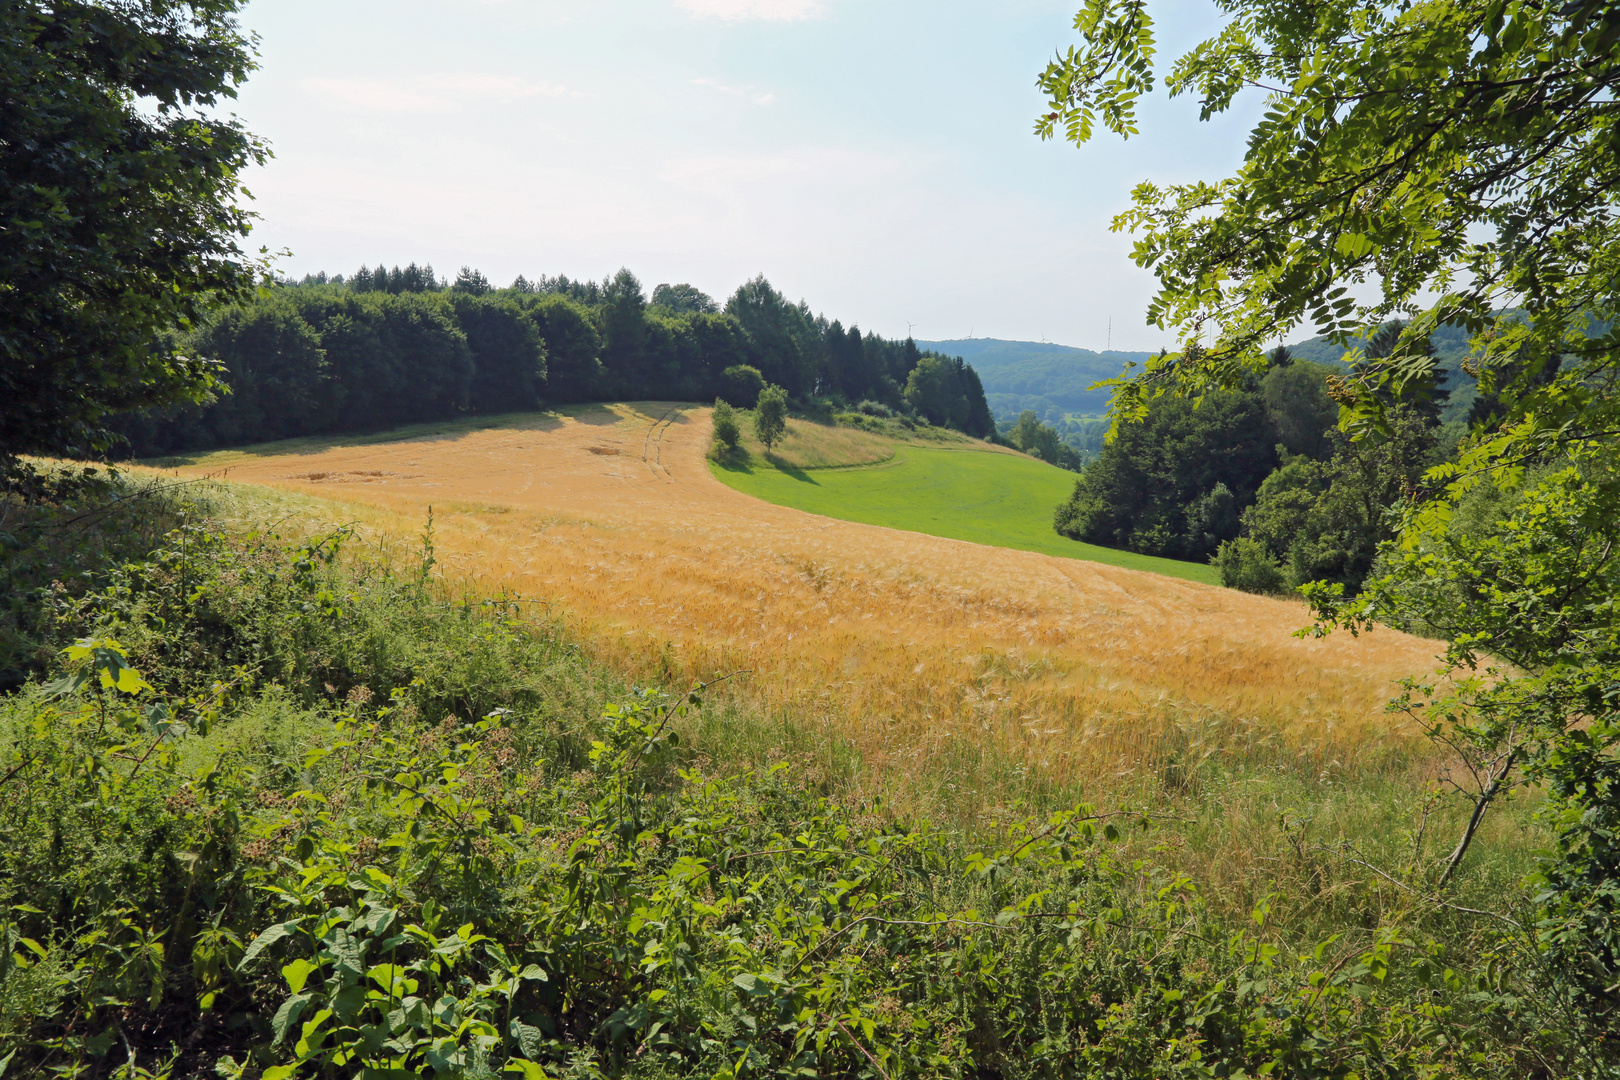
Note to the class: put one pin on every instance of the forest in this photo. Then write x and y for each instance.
(1260, 479)
(385, 347)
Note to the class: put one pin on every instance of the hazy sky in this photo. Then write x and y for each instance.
(874, 157)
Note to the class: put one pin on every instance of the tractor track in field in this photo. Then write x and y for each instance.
(652, 445)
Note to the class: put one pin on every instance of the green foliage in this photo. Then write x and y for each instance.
(770, 416)
(726, 432)
(303, 362)
(946, 392)
(1174, 484)
(508, 352)
(60, 532)
(1247, 565)
(740, 386)
(1041, 440)
(1326, 519)
(393, 347)
(1394, 138)
(1456, 159)
(1299, 408)
(119, 185)
(684, 299)
(783, 335)
(982, 496)
(1527, 599)
(412, 278)
(574, 370)
(286, 815)
(470, 282)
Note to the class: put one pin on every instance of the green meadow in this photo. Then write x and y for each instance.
(1001, 499)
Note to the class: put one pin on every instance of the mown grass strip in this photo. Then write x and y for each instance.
(1004, 500)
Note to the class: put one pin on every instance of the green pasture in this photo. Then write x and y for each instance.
(1004, 500)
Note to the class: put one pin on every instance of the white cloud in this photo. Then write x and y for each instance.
(495, 87)
(750, 93)
(375, 95)
(818, 168)
(770, 10)
(431, 94)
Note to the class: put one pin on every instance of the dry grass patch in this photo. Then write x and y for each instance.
(952, 671)
(820, 446)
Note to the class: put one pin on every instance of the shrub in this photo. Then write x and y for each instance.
(727, 434)
(875, 408)
(1246, 564)
(740, 386)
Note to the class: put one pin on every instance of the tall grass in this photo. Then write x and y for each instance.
(968, 684)
(1305, 809)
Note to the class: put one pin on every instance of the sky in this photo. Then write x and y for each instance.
(875, 158)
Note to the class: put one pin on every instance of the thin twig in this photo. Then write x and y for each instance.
(19, 768)
(861, 1048)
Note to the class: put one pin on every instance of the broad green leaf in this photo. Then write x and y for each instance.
(266, 939)
(297, 973)
(286, 1016)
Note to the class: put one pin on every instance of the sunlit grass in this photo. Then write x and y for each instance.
(955, 679)
(885, 665)
(966, 491)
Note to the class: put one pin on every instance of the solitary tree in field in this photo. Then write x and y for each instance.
(770, 416)
(119, 208)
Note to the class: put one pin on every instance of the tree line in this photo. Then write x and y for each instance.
(389, 346)
(1260, 478)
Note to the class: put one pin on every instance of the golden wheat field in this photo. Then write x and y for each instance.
(926, 654)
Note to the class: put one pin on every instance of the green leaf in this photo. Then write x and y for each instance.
(266, 939)
(1353, 245)
(130, 682)
(66, 686)
(297, 973)
(529, 1038)
(287, 1015)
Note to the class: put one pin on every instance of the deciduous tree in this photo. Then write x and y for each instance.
(1441, 162)
(770, 416)
(120, 211)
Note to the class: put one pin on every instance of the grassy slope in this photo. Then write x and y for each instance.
(960, 492)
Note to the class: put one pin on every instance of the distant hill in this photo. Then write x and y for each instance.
(1052, 380)
(1450, 348)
